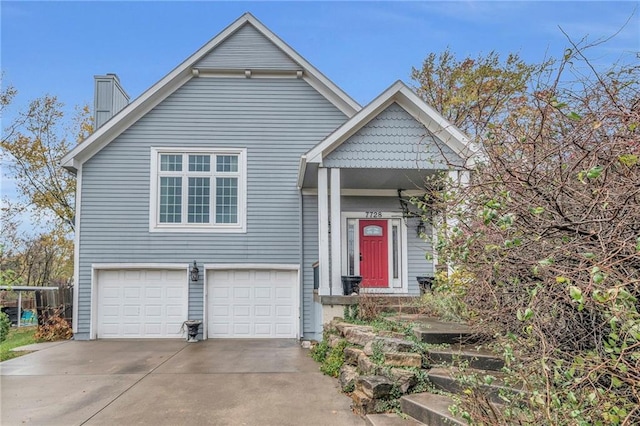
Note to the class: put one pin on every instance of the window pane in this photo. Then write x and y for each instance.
(227, 163)
(199, 198)
(226, 200)
(395, 245)
(171, 162)
(351, 225)
(170, 200)
(199, 163)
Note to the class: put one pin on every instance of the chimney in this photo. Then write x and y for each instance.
(109, 98)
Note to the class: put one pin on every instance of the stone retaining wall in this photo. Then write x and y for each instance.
(379, 367)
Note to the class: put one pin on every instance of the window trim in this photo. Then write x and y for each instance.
(154, 173)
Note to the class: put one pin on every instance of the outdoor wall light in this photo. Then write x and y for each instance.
(195, 272)
(420, 229)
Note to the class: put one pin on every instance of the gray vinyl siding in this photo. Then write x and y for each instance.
(309, 257)
(417, 249)
(247, 48)
(393, 140)
(277, 120)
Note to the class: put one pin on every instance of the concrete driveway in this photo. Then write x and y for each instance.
(171, 382)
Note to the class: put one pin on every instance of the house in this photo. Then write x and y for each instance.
(212, 195)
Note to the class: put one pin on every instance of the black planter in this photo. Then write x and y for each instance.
(351, 284)
(425, 284)
(192, 329)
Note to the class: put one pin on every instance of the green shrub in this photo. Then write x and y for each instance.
(330, 359)
(319, 351)
(334, 360)
(5, 325)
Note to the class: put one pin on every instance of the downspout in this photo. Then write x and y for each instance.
(301, 254)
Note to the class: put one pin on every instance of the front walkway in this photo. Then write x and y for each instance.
(171, 382)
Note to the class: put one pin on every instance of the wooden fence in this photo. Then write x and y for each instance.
(49, 303)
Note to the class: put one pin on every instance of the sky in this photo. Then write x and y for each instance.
(57, 47)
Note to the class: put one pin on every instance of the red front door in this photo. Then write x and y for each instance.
(374, 253)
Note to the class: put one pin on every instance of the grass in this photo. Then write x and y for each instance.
(17, 337)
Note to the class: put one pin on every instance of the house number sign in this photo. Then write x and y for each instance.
(373, 215)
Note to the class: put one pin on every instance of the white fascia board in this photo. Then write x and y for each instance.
(436, 123)
(175, 79)
(261, 266)
(347, 106)
(117, 266)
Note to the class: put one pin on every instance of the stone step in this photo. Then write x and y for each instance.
(470, 356)
(435, 332)
(402, 309)
(390, 420)
(393, 300)
(430, 409)
(443, 378)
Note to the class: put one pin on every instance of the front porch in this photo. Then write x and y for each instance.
(357, 182)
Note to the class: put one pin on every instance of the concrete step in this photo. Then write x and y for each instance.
(430, 409)
(470, 356)
(444, 379)
(390, 420)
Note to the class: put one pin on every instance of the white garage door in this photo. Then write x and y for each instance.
(252, 303)
(141, 303)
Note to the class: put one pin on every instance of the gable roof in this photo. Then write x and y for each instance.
(401, 94)
(183, 73)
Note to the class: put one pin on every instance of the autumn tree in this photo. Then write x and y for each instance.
(40, 259)
(472, 92)
(548, 232)
(32, 145)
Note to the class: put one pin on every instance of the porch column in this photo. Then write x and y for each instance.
(336, 240)
(323, 232)
(459, 178)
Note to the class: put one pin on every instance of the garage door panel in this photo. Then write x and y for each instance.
(263, 292)
(131, 311)
(152, 311)
(221, 328)
(132, 275)
(241, 293)
(153, 292)
(155, 275)
(220, 311)
(153, 329)
(220, 293)
(260, 303)
(241, 276)
(241, 329)
(263, 276)
(241, 311)
(131, 293)
(283, 330)
(174, 312)
(263, 330)
(141, 303)
(284, 311)
(262, 311)
(174, 292)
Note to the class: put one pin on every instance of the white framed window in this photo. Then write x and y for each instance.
(198, 190)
